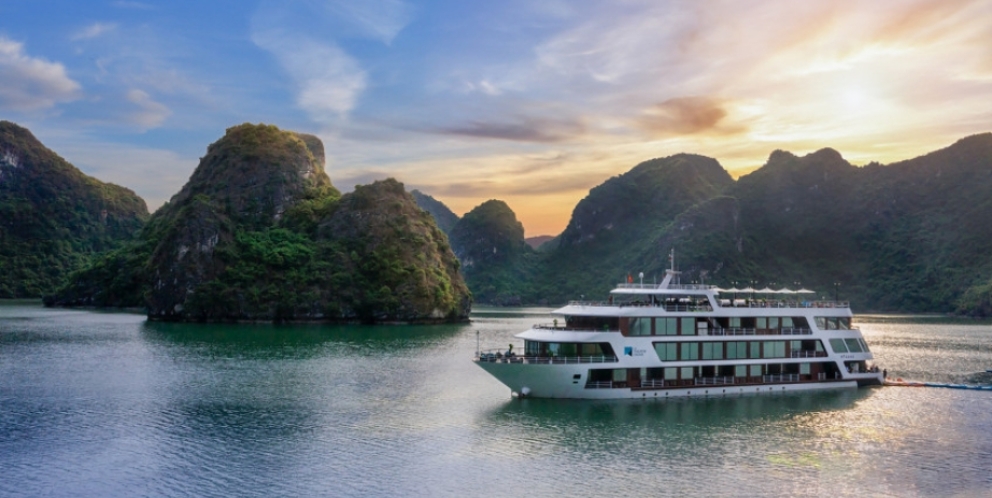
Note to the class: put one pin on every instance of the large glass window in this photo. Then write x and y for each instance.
(774, 349)
(787, 322)
(821, 322)
(640, 326)
(688, 326)
(712, 350)
(864, 345)
(838, 345)
(740, 371)
(755, 349)
(755, 370)
(688, 372)
(666, 326)
(735, 322)
(671, 373)
(762, 323)
(773, 322)
(736, 350)
(844, 323)
(568, 349)
(690, 351)
(667, 351)
(619, 374)
(853, 345)
(804, 368)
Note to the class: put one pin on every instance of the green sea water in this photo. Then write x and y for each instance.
(108, 404)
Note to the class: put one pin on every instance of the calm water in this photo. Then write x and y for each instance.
(99, 404)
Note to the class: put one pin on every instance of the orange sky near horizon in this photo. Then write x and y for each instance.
(878, 81)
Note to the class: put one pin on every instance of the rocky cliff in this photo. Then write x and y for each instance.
(259, 233)
(53, 218)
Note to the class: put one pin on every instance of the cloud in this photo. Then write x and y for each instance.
(685, 116)
(379, 19)
(94, 30)
(150, 114)
(28, 83)
(328, 80)
(523, 130)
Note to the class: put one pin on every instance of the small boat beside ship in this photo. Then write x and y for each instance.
(670, 339)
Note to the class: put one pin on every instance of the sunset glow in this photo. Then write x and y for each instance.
(533, 103)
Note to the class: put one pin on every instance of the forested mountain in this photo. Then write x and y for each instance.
(915, 235)
(53, 217)
(259, 233)
(489, 241)
(445, 218)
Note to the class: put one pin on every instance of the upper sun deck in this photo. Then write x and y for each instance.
(672, 296)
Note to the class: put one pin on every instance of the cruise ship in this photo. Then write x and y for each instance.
(668, 340)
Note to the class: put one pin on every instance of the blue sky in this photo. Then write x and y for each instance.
(530, 102)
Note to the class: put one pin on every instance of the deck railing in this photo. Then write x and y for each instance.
(751, 331)
(501, 357)
(725, 380)
(714, 381)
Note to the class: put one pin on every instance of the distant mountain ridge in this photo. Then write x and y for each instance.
(912, 236)
(53, 218)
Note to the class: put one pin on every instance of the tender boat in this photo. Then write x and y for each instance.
(671, 339)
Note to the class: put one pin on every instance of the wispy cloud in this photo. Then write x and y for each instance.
(520, 130)
(149, 114)
(29, 83)
(686, 116)
(94, 30)
(378, 19)
(328, 81)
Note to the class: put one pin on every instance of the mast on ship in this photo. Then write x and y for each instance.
(670, 272)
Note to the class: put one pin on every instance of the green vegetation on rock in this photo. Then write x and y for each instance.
(54, 218)
(259, 233)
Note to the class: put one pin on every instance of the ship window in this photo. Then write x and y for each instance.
(671, 373)
(762, 323)
(804, 368)
(591, 349)
(667, 351)
(755, 349)
(568, 349)
(740, 371)
(688, 326)
(773, 322)
(690, 351)
(844, 323)
(795, 345)
(640, 326)
(831, 323)
(755, 370)
(619, 374)
(821, 323)
(532, 348)
(687, 372)
(736, 350)
(787, 322)
(864, 345)
(774, 349)
(853, 345)
(819, 346)
(838, 345)
(735, 322)
(712, 350)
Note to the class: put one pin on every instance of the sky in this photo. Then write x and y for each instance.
(530, 102)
